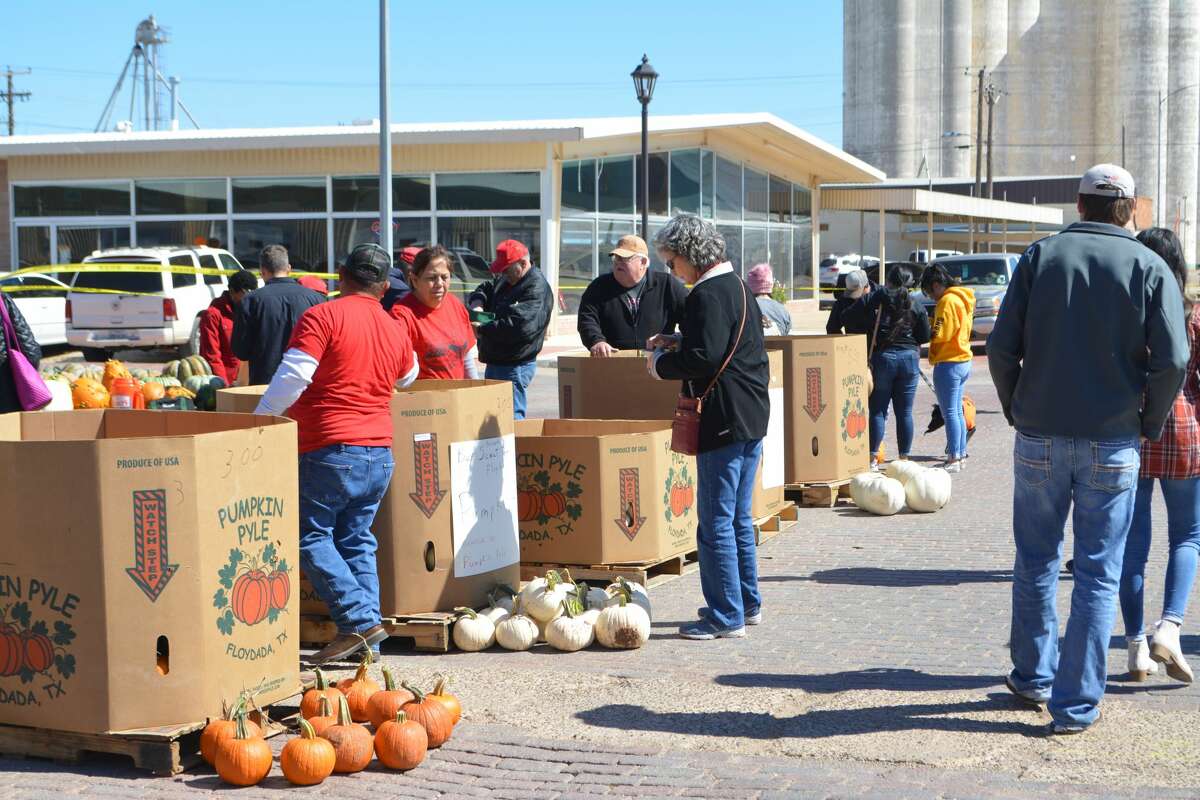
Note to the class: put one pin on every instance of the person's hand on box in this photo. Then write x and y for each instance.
(602, 350)
(663, 341)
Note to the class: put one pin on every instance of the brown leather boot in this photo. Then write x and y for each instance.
(347, 644)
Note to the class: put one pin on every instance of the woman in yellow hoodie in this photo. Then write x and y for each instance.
(950, 354)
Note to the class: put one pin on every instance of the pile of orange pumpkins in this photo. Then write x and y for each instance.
(88, 392)
(405, 723)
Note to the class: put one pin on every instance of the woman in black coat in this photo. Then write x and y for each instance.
(720, 318)
(9, 401)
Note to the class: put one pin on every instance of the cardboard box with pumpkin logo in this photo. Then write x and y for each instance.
(603, 492)
(826, 419)
(149, 568)
(447, 527)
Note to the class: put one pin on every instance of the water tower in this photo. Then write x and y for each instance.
(144, 68)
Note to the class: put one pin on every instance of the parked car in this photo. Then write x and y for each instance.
(833, 266)
(144, 310)
(989, 275)
(922, 256)
(42, 300)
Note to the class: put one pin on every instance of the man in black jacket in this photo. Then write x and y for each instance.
(621, 310)
(521, 302)
(263, 321)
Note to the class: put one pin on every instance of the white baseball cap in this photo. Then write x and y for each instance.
(1107, 180)
(856, 279)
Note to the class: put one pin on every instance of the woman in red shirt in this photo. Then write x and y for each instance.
(437, 321)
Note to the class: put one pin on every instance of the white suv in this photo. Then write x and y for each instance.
(144, 310)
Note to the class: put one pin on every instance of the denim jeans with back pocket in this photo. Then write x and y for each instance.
(1096, 482)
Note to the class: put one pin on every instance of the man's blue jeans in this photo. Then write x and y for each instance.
(949, 378)
(1052, 474)
(1183, 541)
(340, 490)
(895, 374)
(521, 376)
(725, 533)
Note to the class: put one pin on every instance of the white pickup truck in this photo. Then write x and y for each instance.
(144, 309)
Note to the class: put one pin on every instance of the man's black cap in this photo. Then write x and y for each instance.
(368, 263)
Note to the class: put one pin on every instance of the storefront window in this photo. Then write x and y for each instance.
(756, 195)
(614, 184)
(411, 193)
(275, 195)
(348, 233)
(356, 194)
(473, 241)
(781, 200)
(781, 257)
(754, 248)
(180, 197)
(305, 240)
(579, 186)
(72, 200)
(576, 248)
(802, 277)
(729, 189)
(214, 233)
(33, 245)
(487, 191)
(801, 204)
(707, 181)
(685, 182)
(659, 203)
(733, 246)
(76, 243)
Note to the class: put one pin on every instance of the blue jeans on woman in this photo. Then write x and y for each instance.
(1183, 540)
(725, 533)
(521, 376)
(895, 373)
(341, 487)
(1095, 482)
(949, 378)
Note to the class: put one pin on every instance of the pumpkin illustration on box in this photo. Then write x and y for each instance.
(541, 500)
(254, 587)
(28, 648)
(680, 493)
(854, 419)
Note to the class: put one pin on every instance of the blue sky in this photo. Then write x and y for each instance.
(257, 63)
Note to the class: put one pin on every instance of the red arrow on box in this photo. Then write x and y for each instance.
(428, 495)
(631, 520)
(151, 570)
(813, 391)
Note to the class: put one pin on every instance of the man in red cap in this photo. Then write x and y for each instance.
(519, 302)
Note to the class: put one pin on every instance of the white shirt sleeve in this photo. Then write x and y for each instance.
(411, 377)
(471, 364)
(292, 377)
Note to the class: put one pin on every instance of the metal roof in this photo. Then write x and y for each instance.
(922, 202)
(832, 163)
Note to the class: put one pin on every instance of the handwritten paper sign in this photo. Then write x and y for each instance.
(773, 460)
(483, 500)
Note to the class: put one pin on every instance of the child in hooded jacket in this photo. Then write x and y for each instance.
(950, 354)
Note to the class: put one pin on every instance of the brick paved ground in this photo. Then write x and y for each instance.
(876, 674)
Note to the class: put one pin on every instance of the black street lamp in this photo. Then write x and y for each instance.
(644, 78)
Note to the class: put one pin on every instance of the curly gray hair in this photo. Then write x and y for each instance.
(691, 237)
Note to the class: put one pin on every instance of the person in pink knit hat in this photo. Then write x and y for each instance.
(776, 319)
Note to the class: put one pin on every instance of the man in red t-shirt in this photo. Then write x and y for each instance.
(336, 380)
(216, 326)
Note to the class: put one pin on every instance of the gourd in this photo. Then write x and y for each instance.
(877, 494)
(113, 369)
(384, 704)
(310, 704)
(153, 390)
(903, 470)
(245, 758)
(625, 626)
(516, 631)
(326, 715)
(430, 714)
(634, 593)
(89, 393)
(307, 760)
(473, 631)
(352, 743)
(448, 700)
(570, 632)
(401, 743)
(224, 728)
(359, 689)
(543, 597)
(928, 491)
(185, 368)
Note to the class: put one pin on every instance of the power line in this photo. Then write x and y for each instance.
(10, 95)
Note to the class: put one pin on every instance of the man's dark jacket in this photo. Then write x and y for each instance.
(604, 316)
(397, 290)
(522, 315)
(262, 326)
(1090, 341)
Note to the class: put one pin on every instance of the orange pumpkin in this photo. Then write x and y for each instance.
(251, 598)
(219, 730)
(553, 504)
(281, 590)
(310, 705)
(307, 760)
(39, 652)
(358, 690)
(152, 390)
(384, 704)
(529, 505)
(88, 393)
(327, 715)
(114, 369)
(401, 743)
(352, 743)
(245, 758)
(431, 714)
(448, 700)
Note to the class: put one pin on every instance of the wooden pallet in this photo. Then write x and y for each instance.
(427, 632)
(818, 495)
(769, 527)
(166, 750)
(648, 574)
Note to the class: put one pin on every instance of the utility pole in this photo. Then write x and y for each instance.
(10, 96)
(993, 94)
(979, 136)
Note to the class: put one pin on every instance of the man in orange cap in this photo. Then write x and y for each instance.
(511, 313)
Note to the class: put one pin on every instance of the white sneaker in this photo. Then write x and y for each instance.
(1141, 666)
(1165, 650)
(954, 466)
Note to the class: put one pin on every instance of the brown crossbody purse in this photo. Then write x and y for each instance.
(685, 427)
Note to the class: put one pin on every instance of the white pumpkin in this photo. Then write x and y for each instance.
(473, 631)
(60, 396)
(542, 599)
(624, 626)
(878, 494)
(571, 631)
(517, 631)
(633, 592)
(929, 491)
(502, 597)
(595, 598)
(591, 615)
(904, 470)
(495, 613)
